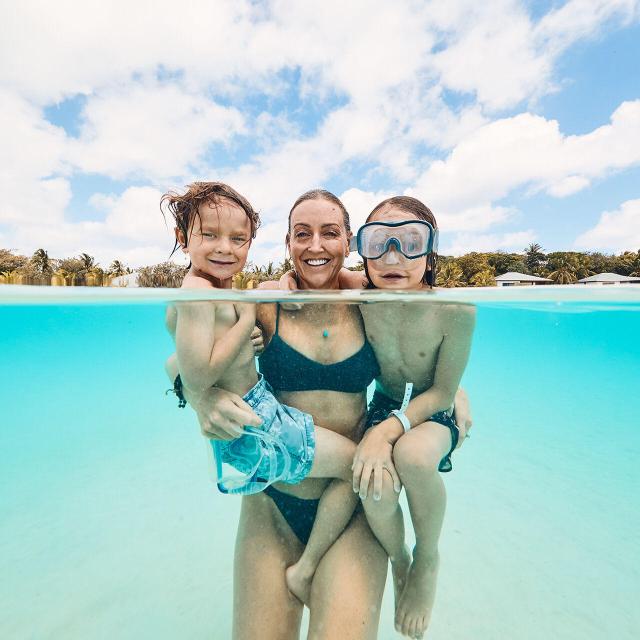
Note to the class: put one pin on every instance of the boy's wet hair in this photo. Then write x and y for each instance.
(422, 212)
(185, 207)
(322, 194)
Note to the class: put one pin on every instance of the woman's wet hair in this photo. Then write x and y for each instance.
(185, 207)
(322, 194)
(420, 211)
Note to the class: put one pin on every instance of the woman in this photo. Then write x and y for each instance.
(329, 342)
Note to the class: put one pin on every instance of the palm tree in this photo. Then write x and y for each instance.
(74, 268)
(60, 278)
(117, 269)
(88, 262)
(450, 275)
(565, 271)
(243, 280)
(534, 257)
(484, 278)
(41, 263)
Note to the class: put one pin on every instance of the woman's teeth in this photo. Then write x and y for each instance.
(317, 263)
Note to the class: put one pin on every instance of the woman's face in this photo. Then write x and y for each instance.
(392, 270)
(318, 243)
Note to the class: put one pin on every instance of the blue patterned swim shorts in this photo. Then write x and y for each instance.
(281, 449)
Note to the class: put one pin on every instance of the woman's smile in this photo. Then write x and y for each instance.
(317, 262)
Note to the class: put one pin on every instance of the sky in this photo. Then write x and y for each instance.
(515, 122)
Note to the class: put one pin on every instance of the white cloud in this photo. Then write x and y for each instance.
(568, 186)
(153, 131)
(466, 242)
(497, 53)
(528, 150)
(616, 231)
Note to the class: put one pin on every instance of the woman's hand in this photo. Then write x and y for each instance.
(223, 415)
(246, 313)
(373, 456)
(462, 415)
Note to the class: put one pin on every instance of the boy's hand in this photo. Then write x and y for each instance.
(287, 281)
(373, 456)
(223, 415)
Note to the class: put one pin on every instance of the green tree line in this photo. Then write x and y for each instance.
(473, 269)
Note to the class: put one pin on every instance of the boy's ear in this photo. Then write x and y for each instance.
(182, 241)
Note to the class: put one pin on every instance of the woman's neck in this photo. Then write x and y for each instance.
(331, 285)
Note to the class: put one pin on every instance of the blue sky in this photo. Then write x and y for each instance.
(515, 122)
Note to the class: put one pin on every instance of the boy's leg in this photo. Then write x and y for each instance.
(333, 458)
(417, 455)
(387, 524)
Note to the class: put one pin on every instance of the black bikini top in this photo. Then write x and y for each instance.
(286, 369)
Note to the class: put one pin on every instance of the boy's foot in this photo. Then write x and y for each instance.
(299, 583)
(416, 603)
(400, 571)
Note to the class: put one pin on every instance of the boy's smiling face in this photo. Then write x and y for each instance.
(393, 270)
(219, 240)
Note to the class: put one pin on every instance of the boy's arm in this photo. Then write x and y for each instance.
(452, 360)
(202, 360)
(348, 279)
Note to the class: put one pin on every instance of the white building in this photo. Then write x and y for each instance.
(514, 279)
(608, 279)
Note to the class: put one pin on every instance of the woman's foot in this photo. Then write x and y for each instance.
(416, 603)
(400, 570)
(299, 582)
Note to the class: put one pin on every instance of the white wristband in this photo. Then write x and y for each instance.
(404, 421)
(399, 413)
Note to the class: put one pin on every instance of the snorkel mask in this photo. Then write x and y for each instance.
(412, 238)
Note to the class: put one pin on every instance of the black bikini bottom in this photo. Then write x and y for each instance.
(300, 513)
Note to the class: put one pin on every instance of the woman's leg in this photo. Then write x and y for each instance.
(347, 588)
(333, 458)
(417, 455)
(262, 605)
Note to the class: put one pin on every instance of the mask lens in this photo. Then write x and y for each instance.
(413, 239)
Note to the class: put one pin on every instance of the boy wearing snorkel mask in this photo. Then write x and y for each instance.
(422, 350)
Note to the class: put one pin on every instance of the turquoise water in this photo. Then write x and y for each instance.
(111, 527)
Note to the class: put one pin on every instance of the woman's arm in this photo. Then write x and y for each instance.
(202, 359)
(222, 414)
